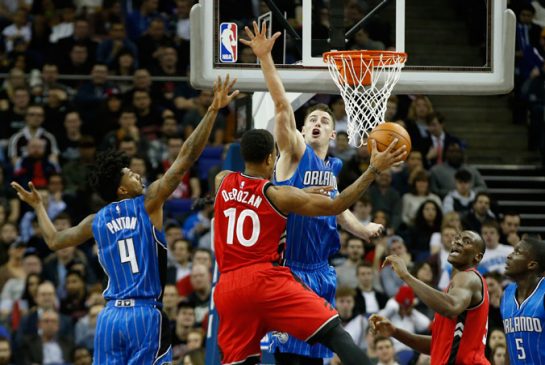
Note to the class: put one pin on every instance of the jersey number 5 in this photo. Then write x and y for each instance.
(521, 354)
(238, 224)
(126, 252)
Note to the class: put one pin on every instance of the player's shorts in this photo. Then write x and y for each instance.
(257, 299)
(132, 332)
(322, 279)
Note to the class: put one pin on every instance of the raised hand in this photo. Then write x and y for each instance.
(222, 98)
(32, 197)
(259, 43)
(389, 157)
(373, 230)
(381, 326)
(398, 265)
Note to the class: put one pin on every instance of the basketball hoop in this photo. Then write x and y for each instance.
(366, 80)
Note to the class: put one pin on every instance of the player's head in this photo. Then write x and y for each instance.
(467, 250)
(257, 148)
(528, 257)
(319, 126)
(112, 179)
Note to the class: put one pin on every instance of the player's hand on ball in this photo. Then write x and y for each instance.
(259, 43)
(320, 190)
(222, 98)
(381, 326)
(389, 157)
(398, 265)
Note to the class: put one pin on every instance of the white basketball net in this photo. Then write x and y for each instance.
(365, 104)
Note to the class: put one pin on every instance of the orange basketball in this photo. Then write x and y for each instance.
(385, 133)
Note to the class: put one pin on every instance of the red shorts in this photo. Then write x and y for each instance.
(261, 298)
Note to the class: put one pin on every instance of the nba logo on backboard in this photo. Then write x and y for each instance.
(228, 42)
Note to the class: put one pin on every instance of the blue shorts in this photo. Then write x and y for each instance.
(130, 333)
(322, 279)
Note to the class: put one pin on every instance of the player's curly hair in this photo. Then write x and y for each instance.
(105, 176)
(256, 145)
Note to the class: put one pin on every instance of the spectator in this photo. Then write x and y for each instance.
(46, 299)
(56, 266)
(77, 63)
(200, 298)
(495, 256)
(49, 346)
(81, 36)
(9, 201)
(384, 348)
(339, 112)
(127, 129)
(363, 41)
(170, 303)
(27, 300)
(183, 7)
(498, 355)
(479, 213)
(193, 117)
(386, 198)
(180, 267)
(442, 176)
(510, 223)
(362, 209)
(33, 129)
(353, 168)
(141, 81)
(185, 322)
(73, 304)
(400, 311)
(449, 219)
(195, 339)
(66, 26)
(8, 235)
(367, 299)
(82, 356)
(13, 268)
(400, 179)
(419, 110)
(150, 45)
(110, 48)
(139, 20)
(69, 138)
(50, 80)
(388, 278)
(437, 140)
(55, 109)
(16, 79)
(92, 93)
(128, 146)
(20, 28)
(35, 166)
(159, 149)
(124, 65)
(86, 326)
(427, 221)
(419, 181)
(13, 119)
(494, 282)
(194, 357)
(459, 200)
(189, 187)
(346, 273)
(495, 339)
(342, 149)
(355, 324)
(148, 117)
(438, 260)
(5, 351)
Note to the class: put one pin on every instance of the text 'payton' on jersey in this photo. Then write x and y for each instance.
(117, 224)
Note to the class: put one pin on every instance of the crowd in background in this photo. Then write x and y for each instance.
(52, 129)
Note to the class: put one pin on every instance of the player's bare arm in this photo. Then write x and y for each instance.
(289, 140)
(219, 178)
(292, 200)
(465, 290)
(348, 221)
(383, 327)
(54, 239)
(161, 189)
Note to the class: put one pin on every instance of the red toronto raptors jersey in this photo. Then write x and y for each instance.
(462, 340)
(248, 229)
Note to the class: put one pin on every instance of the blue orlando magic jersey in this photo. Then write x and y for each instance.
(524, 325)
(312, 239)
(131, 251)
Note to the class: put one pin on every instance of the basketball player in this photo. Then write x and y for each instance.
(523, 303)
(303, 162)
(460, 325)
(254, 293)
(131, 329)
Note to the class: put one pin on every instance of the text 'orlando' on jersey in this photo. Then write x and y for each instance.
(248, 229)
(524, 324)
(131, 251)
(312, 239)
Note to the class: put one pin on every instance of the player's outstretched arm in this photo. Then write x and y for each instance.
(348, 221)
(450, 304)
(55, 240)
(161, 189)
(384, 327)
(292, 200)
(290, 142)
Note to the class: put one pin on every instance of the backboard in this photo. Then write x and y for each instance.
(454, 46)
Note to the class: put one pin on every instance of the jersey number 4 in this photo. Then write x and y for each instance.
(237, 224)
(126, 252)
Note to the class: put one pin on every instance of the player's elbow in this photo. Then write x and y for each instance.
(451, 311)
(282, 105)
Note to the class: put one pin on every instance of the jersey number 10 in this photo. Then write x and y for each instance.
(238, 223)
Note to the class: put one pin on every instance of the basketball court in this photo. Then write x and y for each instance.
(476, 57)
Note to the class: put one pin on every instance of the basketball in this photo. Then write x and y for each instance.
(385, 133)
